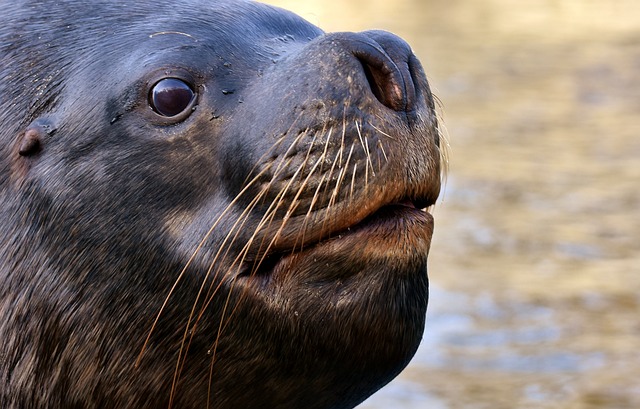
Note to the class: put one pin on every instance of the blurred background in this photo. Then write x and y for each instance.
(535, 264)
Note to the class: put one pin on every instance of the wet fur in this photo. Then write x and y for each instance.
(133, 250)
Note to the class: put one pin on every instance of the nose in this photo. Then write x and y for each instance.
(386, 61)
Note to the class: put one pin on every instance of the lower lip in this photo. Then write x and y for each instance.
(393, 226)
(398, 216)
(396, 224)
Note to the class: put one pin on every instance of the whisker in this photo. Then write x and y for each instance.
(365, 149)
(326, 148)
(382, 132)
(307, 216)
(381, 147)
(368, 152)
(326, 144)
(344, 132)
(333, 167)
(353, 178)
(335, 191)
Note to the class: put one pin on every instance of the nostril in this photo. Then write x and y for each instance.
(384, 85)
(385, 61)
(375, 80)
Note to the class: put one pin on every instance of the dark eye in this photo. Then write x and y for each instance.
(171, 96)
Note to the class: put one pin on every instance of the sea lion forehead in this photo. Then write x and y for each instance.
(233, 26)
(244, 32)
(240, 20)
(236, 21)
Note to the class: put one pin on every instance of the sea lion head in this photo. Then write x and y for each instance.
(209, 204)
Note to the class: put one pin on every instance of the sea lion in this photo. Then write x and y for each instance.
(208, 205)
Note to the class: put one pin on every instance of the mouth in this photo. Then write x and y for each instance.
(396, 232)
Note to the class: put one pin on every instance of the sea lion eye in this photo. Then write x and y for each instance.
(171, 96)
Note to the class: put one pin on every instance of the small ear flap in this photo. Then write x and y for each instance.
(33, 138)
(30, 142)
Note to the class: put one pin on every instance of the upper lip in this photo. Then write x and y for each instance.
(419, 203)
(301, 233)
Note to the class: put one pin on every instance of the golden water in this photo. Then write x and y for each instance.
(535, 264)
